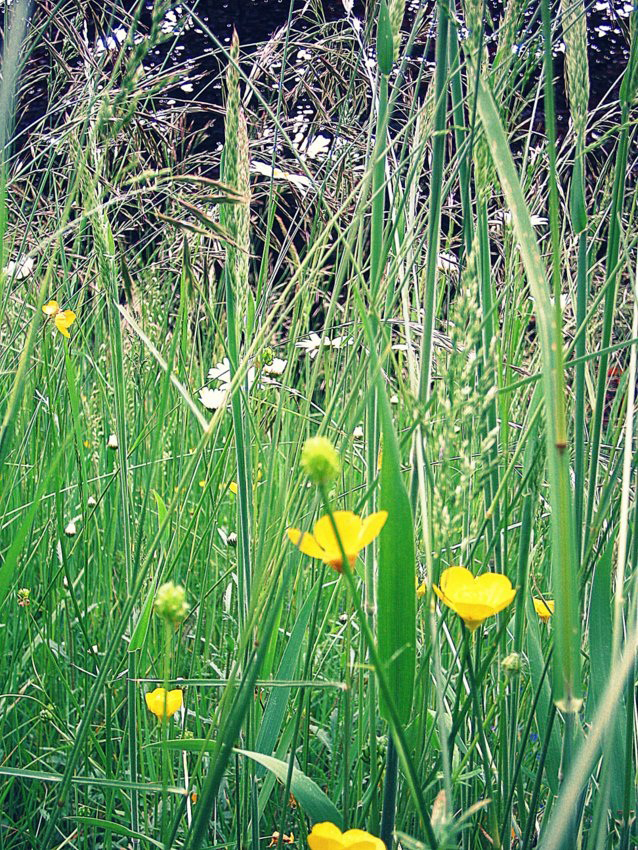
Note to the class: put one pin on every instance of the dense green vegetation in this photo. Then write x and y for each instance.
(447, 295)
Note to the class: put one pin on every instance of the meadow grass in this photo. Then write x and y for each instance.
(448, 296)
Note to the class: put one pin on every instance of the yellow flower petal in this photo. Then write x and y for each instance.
(472, 613)
(357, 839)
(455, 577)
(63, 320)
(474, 599)
(325, 836)
(348, 526)
(61, 326)
(308, 545)
(421, 590)
(174, 701)
(51, 308)
(371, 528)
(544, 608)
(67, 316)
(160, 699)
(233, 487)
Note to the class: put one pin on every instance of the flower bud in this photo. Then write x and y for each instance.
(512, 664)
(71, 529)
(112, 442)
(320, 461)
(171, 604)
(267, 356)
(24, 597)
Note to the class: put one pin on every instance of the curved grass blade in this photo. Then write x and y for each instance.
(307, 793)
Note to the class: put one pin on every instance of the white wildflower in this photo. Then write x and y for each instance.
(299, 181)
(213, 399)
(277, 367)
(221, 372)
(20, 268)
(447, 262)
(314, 342)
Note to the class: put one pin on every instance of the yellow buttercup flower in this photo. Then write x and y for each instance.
(160, 699)
(474, 598)
(421, 590)
(544, 608)
(355, 533)
(327, 836)
(63, 318)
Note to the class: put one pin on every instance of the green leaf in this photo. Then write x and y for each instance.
(566, 621)
(385, 41)
(8, 566)
(307, 793)
(278, 700)
(536, 666)
(396, 582)
(141, 627)
(117, 828)
(600, 654)
(161, 512)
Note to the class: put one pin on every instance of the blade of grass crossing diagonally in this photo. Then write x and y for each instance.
(316, 803)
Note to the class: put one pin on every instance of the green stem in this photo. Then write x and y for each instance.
(395, 723)
(165, 676)
(389, 793)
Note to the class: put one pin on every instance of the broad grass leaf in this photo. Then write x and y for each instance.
(141, 627)
(278, 700)
(308, 794)
(536, 666)
(396, 587)
(600, 648)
